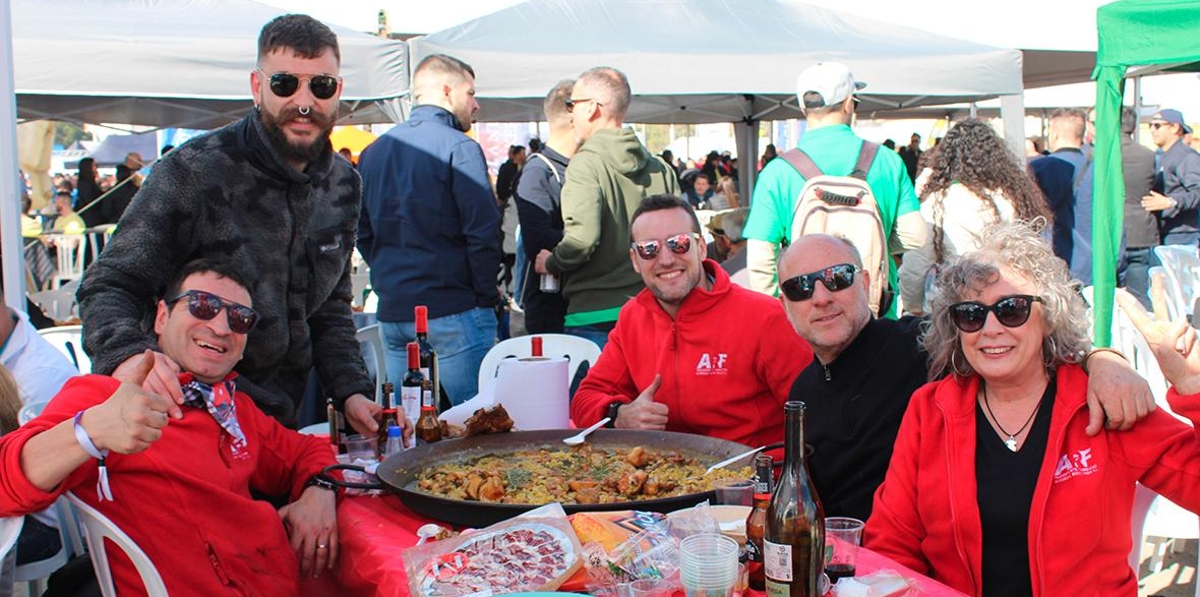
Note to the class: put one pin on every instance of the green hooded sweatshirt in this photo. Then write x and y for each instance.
(607, 179)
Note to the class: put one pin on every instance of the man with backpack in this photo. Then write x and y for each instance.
(837, 201)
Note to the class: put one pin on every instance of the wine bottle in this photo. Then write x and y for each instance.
(794, 539)
(414, 385)
(756, 522)
(387, 416)
(429, 357)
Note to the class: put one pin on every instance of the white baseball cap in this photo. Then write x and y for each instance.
(833, 80)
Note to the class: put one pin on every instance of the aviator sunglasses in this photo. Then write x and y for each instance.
(835, 278)
(205, 306)
(678, 244)
(286, 84)
(1011, 311)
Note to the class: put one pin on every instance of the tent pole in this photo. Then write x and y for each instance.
(1012, 112)
(10, 222)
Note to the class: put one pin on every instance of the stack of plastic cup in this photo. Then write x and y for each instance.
(708, 565)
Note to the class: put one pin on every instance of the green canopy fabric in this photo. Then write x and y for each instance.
(1131, 32)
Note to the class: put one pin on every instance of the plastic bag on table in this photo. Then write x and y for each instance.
(536, 551)
(650, 554)
(881, 583)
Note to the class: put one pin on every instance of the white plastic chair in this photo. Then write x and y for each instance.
(98, 528)
(1182, 267)
(370, 340)
(71, 250)
(58, 304)
(577, 350)
(98, 237)
(38, 572)
(10, 529)
(68, 339)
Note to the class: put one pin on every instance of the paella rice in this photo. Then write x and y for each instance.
(582, 474)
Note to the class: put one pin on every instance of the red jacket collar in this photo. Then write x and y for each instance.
(698, 300)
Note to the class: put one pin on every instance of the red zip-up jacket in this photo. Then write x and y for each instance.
(926, 515)
(727, 360)
(186, 499)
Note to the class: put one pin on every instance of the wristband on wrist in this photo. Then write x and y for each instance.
(611, 413)
(1097, 350)
(85, 441)
(321, 482)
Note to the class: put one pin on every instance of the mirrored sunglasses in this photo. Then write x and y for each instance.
(1011, 311)
(678, 244)
(286, 84)
(836, 278)
(205, 306)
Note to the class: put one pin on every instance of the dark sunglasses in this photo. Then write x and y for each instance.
(1158, 125)
(678, 244)
(571, 103)
(205, 306)
(286, 84)
(836, 278)
(1011, 311)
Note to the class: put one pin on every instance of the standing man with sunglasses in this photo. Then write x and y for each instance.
(268, 195)
(866, 369)
(609, 175)
(430, 228)
(692, 352)
(1176, 193)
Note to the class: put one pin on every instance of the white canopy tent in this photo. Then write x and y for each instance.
(697, 61)
(159, 63)
(181, 63)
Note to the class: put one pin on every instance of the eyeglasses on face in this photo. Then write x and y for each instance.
(1158, 125)
(285, 84)
(571, 103)
(835, 278)
(205, 306)
(678, 244)
(1011, 311)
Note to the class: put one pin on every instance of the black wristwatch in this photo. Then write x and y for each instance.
(611, 413)
(318, 481)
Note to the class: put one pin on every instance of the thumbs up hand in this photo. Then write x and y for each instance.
(132, 418)
(644, 412)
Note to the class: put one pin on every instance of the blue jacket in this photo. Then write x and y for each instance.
(430, 227)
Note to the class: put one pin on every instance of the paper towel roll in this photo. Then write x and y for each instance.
(535, 391)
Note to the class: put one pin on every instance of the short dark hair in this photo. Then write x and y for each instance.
(441, 64)
(221, 268)
(302, 34)
(659, 203)
(555, 104)
(1129, 120)
(515, 149)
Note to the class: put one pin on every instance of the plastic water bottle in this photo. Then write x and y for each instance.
(395, 444)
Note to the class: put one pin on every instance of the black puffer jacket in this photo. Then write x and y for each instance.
(229, 195)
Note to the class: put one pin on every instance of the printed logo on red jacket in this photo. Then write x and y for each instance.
(712, 364)
(1075, 464)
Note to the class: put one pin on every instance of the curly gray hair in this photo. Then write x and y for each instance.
(1018, 247)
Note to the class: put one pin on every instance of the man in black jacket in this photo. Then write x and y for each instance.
(539, 207)
(267, 195)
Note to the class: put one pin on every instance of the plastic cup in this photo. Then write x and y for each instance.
(651, 587)
(708, 565)
(738, 492)
(843, 535)
(359, 447)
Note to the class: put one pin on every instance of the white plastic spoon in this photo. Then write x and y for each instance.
(427, 532)
(579, 438)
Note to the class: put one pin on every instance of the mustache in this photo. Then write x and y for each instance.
(293, 113)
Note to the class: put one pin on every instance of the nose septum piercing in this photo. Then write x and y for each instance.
(305, 110)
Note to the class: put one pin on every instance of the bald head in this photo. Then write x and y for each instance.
(828, 318)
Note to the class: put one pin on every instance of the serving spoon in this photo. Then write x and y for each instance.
(730, 461)
(580, 437)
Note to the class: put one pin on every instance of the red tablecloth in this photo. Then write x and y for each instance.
(375, 531)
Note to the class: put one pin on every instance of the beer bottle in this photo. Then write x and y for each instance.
(757, 521)
(414, 385)
(429, 429)
(387, 416)
(794, 540)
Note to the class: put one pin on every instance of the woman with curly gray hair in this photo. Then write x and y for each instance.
(994, 487)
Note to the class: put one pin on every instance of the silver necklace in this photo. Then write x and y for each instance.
(1011, 442)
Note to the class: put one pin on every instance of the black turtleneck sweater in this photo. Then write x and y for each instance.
(855, 405)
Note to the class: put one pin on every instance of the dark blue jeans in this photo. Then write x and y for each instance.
(1137, 272)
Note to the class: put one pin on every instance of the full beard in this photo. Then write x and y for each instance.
(302, 151)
